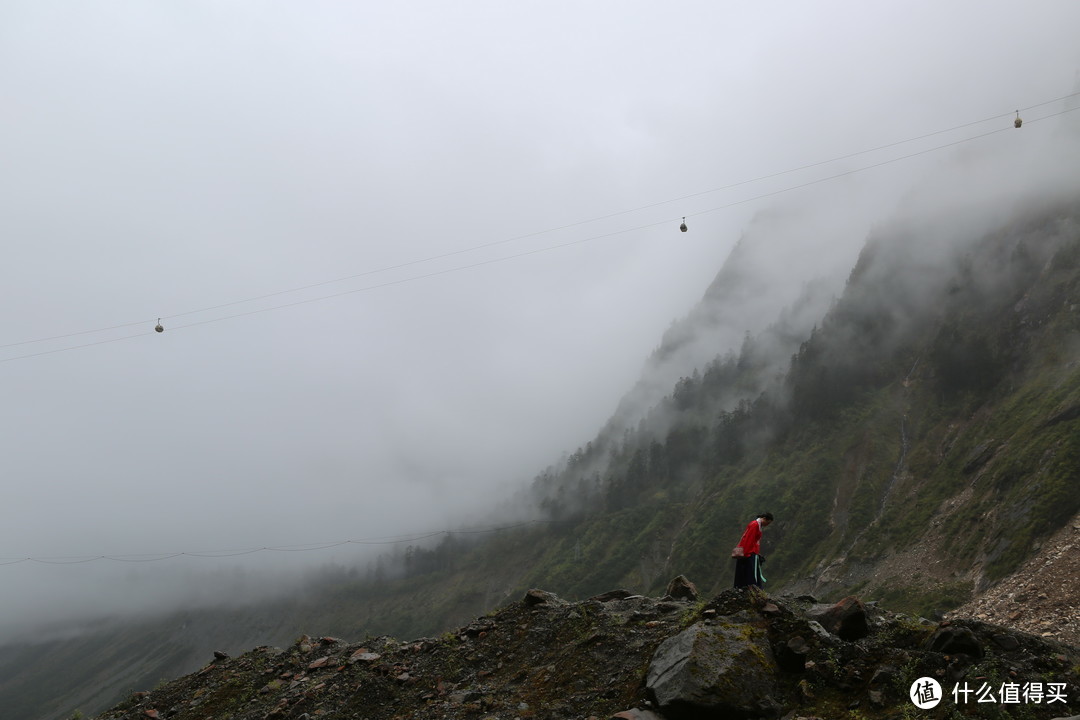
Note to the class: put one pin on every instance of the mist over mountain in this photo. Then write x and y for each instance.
(431, 334)
(936, 386)
(755, 296)
(932, 405)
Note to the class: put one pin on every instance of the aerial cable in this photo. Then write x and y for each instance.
(425, 276)
(805, 167)
(542, 232)
(875, 165)
(848, 172)
(75, 347)
(340, 294)
(609, 215)
(537, 233)
(76, 334)
(538, 250)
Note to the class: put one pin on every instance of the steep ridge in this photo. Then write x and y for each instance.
(919, 445)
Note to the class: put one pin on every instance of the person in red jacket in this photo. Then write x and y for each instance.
(747, 553)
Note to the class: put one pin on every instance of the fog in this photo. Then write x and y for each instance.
(407, 255)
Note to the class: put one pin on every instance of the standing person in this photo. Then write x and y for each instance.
(747, 553)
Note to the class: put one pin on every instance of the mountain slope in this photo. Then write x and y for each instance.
(915, 446)
(934, 404)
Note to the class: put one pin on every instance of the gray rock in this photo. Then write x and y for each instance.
(611, 595)
(723, 669)
(819, 630)
(955, 640)
(1006, 642)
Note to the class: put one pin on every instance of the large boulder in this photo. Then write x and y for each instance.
(709, 671)
(536, 597)
(955, 640)
(846, 619)
(682, 589)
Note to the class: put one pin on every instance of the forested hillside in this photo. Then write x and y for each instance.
(915, 441)
(915, 445)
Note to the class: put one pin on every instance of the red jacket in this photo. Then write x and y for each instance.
(751, 539)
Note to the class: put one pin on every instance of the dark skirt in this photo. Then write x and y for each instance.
(748, 571)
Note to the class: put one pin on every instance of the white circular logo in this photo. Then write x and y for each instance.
(925, 693)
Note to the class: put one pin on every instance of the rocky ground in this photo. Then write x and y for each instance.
(1044, 597)
(617, 655)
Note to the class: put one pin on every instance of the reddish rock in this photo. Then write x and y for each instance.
(539, 597)
(364, 655)
(846, 619)
(682, 589)
(635, 714)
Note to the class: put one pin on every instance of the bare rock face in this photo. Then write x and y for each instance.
(722, 670)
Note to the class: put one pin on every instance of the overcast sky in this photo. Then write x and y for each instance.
(344, 214)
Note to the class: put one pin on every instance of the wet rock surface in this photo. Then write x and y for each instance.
(714, 667)
(740, 655)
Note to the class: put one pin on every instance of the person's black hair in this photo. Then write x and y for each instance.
(767, 516)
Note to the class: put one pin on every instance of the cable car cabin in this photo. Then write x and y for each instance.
(158, 327)
(682, 227)
(1017, 122)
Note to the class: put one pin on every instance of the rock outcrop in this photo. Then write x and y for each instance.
(711, 669)
(741, 655)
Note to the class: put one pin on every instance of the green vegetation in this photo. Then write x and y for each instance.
(911, 411)
(932, 416)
